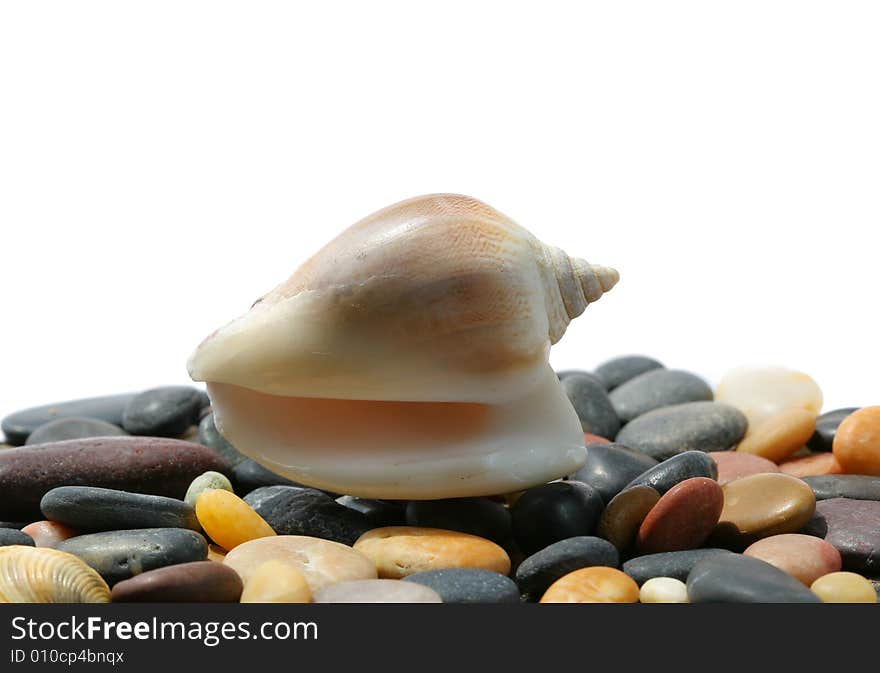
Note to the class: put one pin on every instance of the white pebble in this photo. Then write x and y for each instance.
(663, 590)
(761, 392)
(206, 482)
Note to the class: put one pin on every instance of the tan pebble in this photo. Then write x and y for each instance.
(813, 465)
(857, 442)
(762, 505)
(761, 392)
(663, 590)
(844, 587)
(597, 584)
(780, 435)
(399, 551)
(322, 562)
(377, 591)
(804, 557)
(276, 582)
(48, 533)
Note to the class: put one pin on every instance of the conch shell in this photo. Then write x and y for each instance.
(409, 358)
(44, 575)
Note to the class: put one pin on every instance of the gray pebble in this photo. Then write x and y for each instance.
(693, 426)
(209, 436)
(118, 555)
(672, 471)
(655, 389)
(87, 508)
(163, 412)
(854, 486)
(676, 564)
(468, 585)
(617, 371)
(610, 467)
(74, 427)
(13, 536)
(591, 404)
(206, 482)
(734, 578)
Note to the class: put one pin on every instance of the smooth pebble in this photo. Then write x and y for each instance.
(761, 392)
(826, 428)
(610, 467)
(804, 557)
(857, 442)
(677, 564)
(657, 388)
(672, 471)
(228, 520)
(206, 482)
(378, 591)
(468, 585)
(853, 527)
(49, 533)
(556, 511)
(683, 518)
(663, 590)
(780, 435)
(735, 578)
(733, 465)
(398, 551)
(163, 412)
(75, 427)
(623, 516)
(320, 561)
(278, 581)
(593, 585)
(590, 400)
(619, 370)
(844, 587)
(13, 536)
(195, 582)
(694, 426)
(537, 572)
(855, 486)
(811, 465)
(210, 436)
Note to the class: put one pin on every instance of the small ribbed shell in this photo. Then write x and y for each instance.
(43, 575)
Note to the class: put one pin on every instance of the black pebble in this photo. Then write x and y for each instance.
(671, 471)
(826, 428)
(306, 511)
(468, 585)
(163, 412)
(380, 512)
(118, 555)
(536, 573)
(477, 516)
(677, 564)
(610, 467)
(87, 508)
(209, 436)
(591, 404)
(249, 475)
(553, 512)
(11, 536)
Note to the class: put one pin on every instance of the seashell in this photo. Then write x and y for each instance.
(43, 575)
(408, 358)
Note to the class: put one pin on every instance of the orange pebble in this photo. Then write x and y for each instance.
(229, 520)
(48, 533)
(857, 442)
(597, 584)
(811, 466)
(595, 439)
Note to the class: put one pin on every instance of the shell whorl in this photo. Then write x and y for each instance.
(43, 575)
(578, 284)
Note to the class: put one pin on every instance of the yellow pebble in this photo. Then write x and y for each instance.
(229, 520)
(598, 584)
(276, 582)
(399, 551)
(844, 587)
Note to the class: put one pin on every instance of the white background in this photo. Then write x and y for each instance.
(163, 164)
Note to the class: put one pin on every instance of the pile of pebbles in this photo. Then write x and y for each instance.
(745, 493)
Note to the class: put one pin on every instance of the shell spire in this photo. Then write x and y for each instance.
(578, 283)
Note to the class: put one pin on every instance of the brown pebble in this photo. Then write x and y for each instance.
(813, 465)
(733, 465)
(857, 442)
(48, 533)
(622, 517)
(780, 435)
(683, 518)
(762, 505)
(399, 551)
(196, 582)
(804, 557)
(597, 584)
(216, 553)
